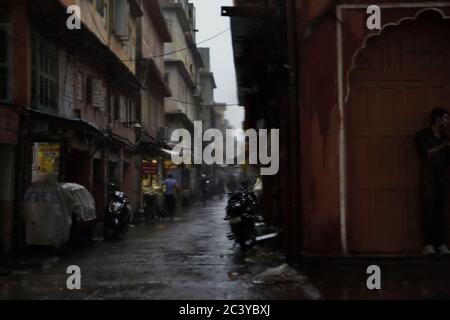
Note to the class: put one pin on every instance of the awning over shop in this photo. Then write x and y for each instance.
(176, 154)
(259, 50)
(169, 152)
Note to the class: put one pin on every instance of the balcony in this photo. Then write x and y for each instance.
(181, 8)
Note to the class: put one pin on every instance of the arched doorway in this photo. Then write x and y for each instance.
(399, 77)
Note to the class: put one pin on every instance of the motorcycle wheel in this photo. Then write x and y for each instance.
(108, 234)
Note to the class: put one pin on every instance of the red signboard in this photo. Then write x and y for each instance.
(149, 168)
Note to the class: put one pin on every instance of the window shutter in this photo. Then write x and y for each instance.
(128, 115)
(102, 107)
(80, 86)
(133, 112)
(97, 93)
(122, 116)
(116, 105)
(89, 90)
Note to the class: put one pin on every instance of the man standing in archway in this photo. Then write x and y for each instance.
(433, 147)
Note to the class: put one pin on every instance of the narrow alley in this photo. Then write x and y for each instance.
(139, 139)
(188, 258)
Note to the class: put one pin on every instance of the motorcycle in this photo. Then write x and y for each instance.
(117, 217)
(246, 224)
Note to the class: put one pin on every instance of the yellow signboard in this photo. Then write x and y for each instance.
(46, 160)
(48, 157)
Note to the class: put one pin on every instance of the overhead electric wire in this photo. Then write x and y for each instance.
(160, 55)
(204, 105)
(76, 57)
(10, 36)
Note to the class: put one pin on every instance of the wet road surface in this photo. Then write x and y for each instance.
(188, 258)
(415, 278)
(191, 258)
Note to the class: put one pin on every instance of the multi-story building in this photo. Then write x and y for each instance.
(207, 86)
(183, 62)
(349, 98)
(210, 113)
(152, 34)
(70, 99)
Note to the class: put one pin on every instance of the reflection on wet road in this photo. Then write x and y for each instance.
(188, 258)
(191, 258)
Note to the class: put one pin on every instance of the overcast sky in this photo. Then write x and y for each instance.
(209, 23)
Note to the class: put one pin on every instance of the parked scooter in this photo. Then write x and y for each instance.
(118, 214)
(247, 225)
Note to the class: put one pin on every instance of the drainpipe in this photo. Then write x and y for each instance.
(21, 97)
(23, 143)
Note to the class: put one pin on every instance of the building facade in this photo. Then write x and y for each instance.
(356, 98)
(183, 63)
(386, 83)
(153, 33)
(73, 99)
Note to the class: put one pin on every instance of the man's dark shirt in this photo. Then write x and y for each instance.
(433, 167)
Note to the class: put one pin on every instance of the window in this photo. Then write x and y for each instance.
(156, 113)
(170, 27)
(127, 44)
(79, 85)
(122, 109)
(120, 19)
(116, 107)
(133, 49)
(97, 93)
(102, 9)
(100, 6)
(89, 80)
(44, 74)
(130, 112)
(4, 63)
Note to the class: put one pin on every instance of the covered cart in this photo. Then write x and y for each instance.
(58, 212)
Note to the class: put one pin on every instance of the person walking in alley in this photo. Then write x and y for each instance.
(433, 148)
(204, 189)
(170, 187)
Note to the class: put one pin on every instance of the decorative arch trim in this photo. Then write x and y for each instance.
(342, 100)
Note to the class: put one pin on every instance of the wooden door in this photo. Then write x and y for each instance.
(400, 77)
